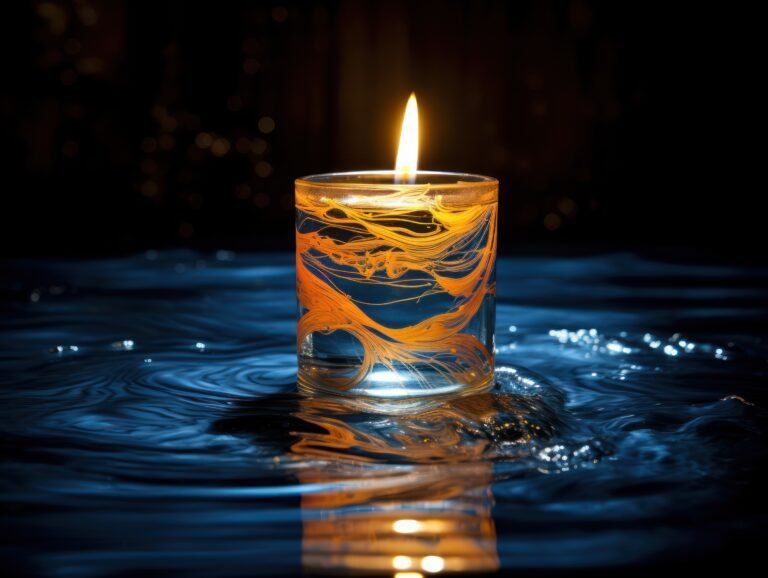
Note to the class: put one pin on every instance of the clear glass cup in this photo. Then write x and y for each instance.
(396, 286)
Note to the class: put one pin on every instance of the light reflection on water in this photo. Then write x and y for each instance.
(399, 492)
(148, 424)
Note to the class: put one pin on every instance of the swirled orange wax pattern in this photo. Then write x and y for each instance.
(409, 245)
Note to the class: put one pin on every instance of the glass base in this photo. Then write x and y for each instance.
(385, 391)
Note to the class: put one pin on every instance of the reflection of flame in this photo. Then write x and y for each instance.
(405, 495)
(408, 495)
(360, 524)
(408, 151)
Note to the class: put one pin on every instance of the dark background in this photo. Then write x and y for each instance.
(136, 125)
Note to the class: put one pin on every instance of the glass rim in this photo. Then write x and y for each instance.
(376, 180)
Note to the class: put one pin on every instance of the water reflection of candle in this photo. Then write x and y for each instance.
(423, 507)
(390, 493)
(429, 518)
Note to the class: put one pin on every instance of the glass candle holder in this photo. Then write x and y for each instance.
(396, 285)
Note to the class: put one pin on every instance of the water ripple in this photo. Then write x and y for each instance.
(148, 417)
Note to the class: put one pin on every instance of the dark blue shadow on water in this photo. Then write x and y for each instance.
(149, 425)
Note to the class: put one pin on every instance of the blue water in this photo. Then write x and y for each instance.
(149, 426)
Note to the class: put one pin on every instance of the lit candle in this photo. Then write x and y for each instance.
(396, 281)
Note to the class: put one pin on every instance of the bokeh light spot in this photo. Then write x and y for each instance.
(266, 124)
(203, 140)
(552, 221)
(263, 169)
(220, 147)
(567, 207)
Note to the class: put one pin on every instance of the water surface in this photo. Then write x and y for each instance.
(149, 426)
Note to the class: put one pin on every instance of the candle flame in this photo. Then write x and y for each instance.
(408, 151)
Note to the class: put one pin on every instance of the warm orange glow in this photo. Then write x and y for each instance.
(432, 564)
(402, 562)
(454, 256)
(447, 243)
(426, 250)
(406, 526)
(355, 525)
(408, 151)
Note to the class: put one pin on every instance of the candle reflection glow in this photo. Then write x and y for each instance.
(425, 507)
